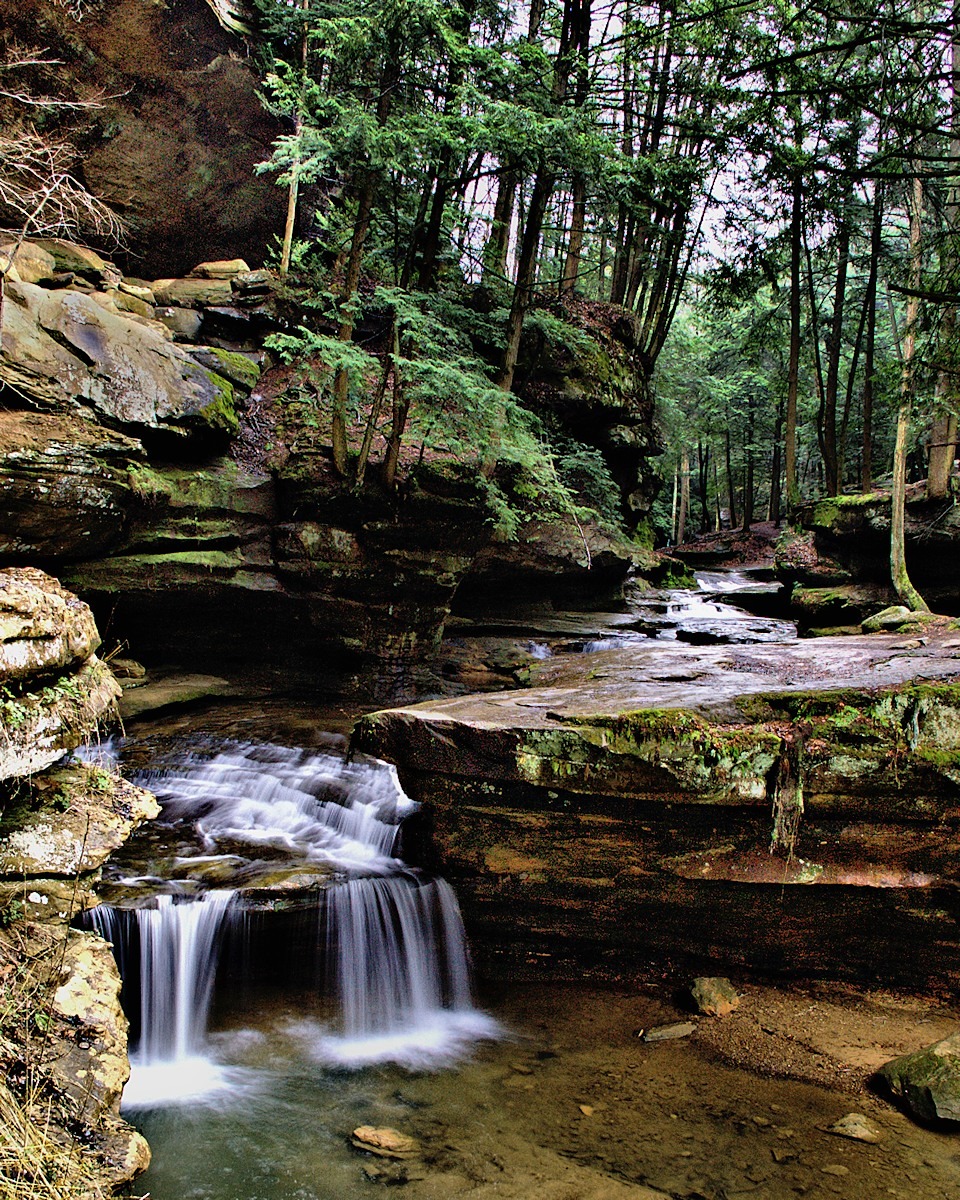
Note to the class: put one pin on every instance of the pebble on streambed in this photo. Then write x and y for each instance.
(384, 1142)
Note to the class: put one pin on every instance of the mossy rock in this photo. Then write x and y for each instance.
(899, 619)
(241, 371)
(928, 1080)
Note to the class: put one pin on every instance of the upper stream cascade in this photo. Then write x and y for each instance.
(392, 939)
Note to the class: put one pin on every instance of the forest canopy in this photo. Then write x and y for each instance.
(771, 190)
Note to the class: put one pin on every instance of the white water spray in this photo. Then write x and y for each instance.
(394, 942)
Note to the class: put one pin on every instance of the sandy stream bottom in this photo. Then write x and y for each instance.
(574, 1106)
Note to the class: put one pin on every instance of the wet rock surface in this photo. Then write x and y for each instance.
(627, 806)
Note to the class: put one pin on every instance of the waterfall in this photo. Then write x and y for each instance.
(397, 946)
(393, 938)
(177, 964)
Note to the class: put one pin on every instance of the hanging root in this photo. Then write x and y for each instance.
(787, 795)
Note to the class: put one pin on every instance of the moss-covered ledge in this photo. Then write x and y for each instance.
(773, 808)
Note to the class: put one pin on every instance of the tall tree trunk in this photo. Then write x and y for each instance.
(401, 407)
(341, 383)
(898, 565)
(831, 454)
(943, 438)
(684, 495)
(748, 481)
(870, 301)
(571, 270)
(793, 370)
(526, 275)
(773, 509)
(731, 485)
(703, 472)
(293, 189)
(498, 240)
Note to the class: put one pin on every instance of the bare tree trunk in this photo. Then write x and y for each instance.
(498, 242)
(703, 473)
(908, 594)
(943, 451)
(731, 486)
(571, 270)
(876, 242)
(793, 371)
(294, 186)
(401, 406)
(943, 439)
(773, 509)
(748, 469)
(684, 495)
(341, 382)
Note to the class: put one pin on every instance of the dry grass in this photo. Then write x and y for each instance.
(38, 1158)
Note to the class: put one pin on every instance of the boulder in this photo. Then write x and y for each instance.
(79, 260)
(61, 348)
(242, 371)
(228, 268)
(43, 627)
(192, 293)
(714, 997)
(31, 262)
(183, 323)
(899, 619)
(928, 1080)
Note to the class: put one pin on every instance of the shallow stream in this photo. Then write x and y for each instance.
(316, 1027)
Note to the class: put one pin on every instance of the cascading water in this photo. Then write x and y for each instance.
(393, 939)
(176, 967)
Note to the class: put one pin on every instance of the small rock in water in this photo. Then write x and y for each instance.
(714, 997)
(857, 1127)
(385, 1142)
(663, 1033)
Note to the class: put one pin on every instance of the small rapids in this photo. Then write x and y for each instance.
(389, 938)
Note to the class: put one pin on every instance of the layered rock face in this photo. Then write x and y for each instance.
(178, 129)
(701, 808)
(840, 567)
(144, 460)
(63, 1035)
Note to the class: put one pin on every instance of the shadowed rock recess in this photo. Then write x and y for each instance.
(63, 1035)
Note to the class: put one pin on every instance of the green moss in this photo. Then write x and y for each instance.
(148, 485)
(236, 367)
(221, 412)
(828, 513)
(716, 762)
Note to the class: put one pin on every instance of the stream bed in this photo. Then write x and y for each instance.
(553, 1094)
(299, 1029)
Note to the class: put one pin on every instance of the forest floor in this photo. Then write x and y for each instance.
(734, 547)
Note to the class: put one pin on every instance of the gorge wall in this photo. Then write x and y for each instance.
(148, 461)
(63, 1035)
